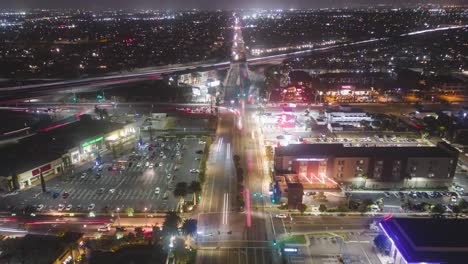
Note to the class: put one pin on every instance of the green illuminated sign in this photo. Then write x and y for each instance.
(92, 141)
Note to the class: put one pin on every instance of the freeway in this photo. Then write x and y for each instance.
(10, 94)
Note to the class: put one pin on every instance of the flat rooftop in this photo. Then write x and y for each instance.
(429, 240)
(34, 151)
(339, 150)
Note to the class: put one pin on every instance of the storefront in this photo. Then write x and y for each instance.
(32, 177)
(91, 149)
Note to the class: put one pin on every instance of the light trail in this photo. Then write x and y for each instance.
(225, 208)
(228, 151)
(248, 213)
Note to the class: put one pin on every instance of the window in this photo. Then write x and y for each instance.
(413, 174)
(289, 169)
(360, 162)
(290, 162)
(413, 169)
(379, 162)
(430, 175)
(341, 162)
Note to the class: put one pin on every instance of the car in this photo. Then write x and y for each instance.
(105, 228)
(169, 176)
(39, 207)
(151, 165)
(111, 190)
(61, 207)
(120, 229)
(194, 171)
(387, 194)
(426, 195)
(55, 195)
(197, 158)
(139, 164)
(91, 207)
(199, 152)
(453, 199)
(281, 216)
(65, 195)
(101, 191)
(69, 207)
(78, 207)
(83, 175)
(157, 191)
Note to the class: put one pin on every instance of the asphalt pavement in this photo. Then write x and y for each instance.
(133, 187)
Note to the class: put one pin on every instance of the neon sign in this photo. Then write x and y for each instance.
(92, 141)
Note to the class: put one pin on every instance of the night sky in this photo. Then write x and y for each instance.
(207, 4)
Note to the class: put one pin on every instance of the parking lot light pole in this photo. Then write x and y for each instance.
(146, 218)
(118, 217)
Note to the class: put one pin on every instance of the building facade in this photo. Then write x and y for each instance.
(333, 166)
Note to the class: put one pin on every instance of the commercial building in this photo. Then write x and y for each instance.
(58, 151)
(427, 240)
(347, 116)
(333, 166)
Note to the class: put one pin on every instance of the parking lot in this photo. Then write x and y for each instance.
(142, 179)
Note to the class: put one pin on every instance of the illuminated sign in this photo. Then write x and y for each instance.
(290, 250)
(316, 159)
(92, 141)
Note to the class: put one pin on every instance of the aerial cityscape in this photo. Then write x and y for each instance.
(233, 132)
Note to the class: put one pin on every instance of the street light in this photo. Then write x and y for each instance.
(146, 218)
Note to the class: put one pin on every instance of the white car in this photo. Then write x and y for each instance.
(194, 171)
(169, 176)
(139, 164)
(147, 164)
(69, 207)
(61, 207)
(281, 216)
(83, 175)
(40, 207)
(91, 207)
(157, 191)
(111, 190)
(453, 199)
(105, 228)
(151, 165)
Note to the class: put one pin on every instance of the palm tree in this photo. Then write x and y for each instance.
(195, 188)
(189, 229)
(180, 191)
(171, 223)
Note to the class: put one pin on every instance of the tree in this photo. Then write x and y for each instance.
(130, 211)
(302, 208)
(463, 204)
(382, 243)
(171, 223)
(180, 191)
(365, 205)
(189, 229)
(195, 188)
(322, 208)
(438, 209)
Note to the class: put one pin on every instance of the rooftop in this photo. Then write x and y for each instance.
(429, 240)
(323, 150)
(34, 151)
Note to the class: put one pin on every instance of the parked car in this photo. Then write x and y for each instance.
(40, 207)
(61, 207)
(69, 207)
(281, 216)
(91, 207)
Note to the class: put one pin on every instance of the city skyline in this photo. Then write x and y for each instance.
(223, 4)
